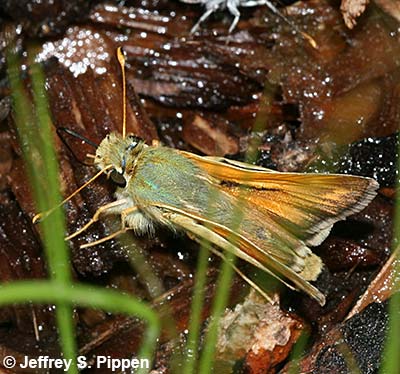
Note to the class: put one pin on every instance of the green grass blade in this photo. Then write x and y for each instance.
(85, 296)
(33, 124)
(390, 363)
(65, 324)
(224, 281)
(34, 129)
(220, 301)
(196, 309)
(54, 228)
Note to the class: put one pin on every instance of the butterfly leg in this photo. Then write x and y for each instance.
(243, 276)
(236, 269)
(105, 209)
(196, 231)
(201, 231)
(125, 213)
(192, 225)
(106, 238)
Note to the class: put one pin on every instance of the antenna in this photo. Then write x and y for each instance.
(76, 135)
(61, 130)
(45, 214)
(121, 60)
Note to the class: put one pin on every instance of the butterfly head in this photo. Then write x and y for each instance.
(119, 156)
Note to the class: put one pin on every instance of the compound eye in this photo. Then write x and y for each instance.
(134, 138)
(134, 141)
(118, 178)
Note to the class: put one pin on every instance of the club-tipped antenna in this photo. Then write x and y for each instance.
(77, 135)
(40, 216)
(61, 130)
(121, 60)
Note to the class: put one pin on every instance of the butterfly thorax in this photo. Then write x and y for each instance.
(147, 174)
(163, 175)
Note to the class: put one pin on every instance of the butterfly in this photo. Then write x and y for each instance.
(267, 218)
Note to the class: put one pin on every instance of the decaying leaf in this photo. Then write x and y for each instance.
(391, 7)
(385, 284)
(352, 9)
(210, 137)
(259, 330)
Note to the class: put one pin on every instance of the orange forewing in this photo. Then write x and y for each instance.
(307, 205)
(296, 209)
